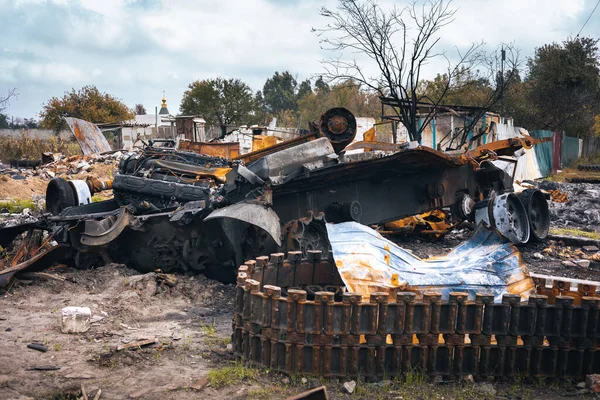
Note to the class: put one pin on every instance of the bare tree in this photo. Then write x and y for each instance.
(4, 99)
(363, 27)
(500, 69)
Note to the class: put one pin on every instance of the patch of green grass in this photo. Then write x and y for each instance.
(587, 160)
(414, 377)
(209, 329)
(187, 342)
(520, 390)
(97, 198)
(17, 206)
(217, 341)
(231, 375)
(575, 232)
(370, 391)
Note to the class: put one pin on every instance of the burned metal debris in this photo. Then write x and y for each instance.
(369, 263)
(88, 135)
(178, 210)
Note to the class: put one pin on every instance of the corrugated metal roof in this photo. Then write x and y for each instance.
(485, 263)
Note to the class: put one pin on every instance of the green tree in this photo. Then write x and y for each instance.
(516, 104)
(3, 121)
(304, 89)
(321, 85)
(4, 100)
(261, 114)
(87, 103)
(220, 102)
(279, 93)
(344, 94)
(565, 85)
(139, 109)
(466, 89)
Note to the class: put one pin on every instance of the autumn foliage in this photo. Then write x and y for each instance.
(87, 103)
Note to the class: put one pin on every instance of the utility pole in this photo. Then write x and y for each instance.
(502, 58)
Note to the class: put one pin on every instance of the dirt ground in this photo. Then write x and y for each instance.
(26, 189)
(191, 359)
(191, 322)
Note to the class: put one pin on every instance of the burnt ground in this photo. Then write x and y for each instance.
(191, 322)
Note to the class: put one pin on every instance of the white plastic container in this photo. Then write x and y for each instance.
(75, 319)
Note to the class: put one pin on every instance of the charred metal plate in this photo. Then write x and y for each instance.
(88, 135)
(484, 263)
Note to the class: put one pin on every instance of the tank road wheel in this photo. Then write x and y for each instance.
(59, 195)
(339, 126)
(306, 234)
(507, 214)
(511, 218)
(537, 210)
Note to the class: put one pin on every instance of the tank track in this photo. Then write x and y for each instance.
(283, 321)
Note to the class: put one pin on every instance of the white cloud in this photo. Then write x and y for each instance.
(134, 49)
(50, 73)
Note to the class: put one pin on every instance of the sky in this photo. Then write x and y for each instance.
(135, 49)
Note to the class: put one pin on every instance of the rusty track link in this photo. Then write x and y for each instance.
(292, 315)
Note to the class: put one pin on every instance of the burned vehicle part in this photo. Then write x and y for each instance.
(179, 210)
(319, 330)
(88, 135)
(339, 126)
(432, 223)
(507, 214)
(167, 212)
(296, 315)
(537, 210)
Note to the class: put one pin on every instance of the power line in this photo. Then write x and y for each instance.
(586, 21)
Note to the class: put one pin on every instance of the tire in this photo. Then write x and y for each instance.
(537, 210)
(59, 195)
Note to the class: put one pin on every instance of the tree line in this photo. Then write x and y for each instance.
(557, 88)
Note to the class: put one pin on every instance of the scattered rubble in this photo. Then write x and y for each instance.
(215, 189)
(581, 211)
(75, 319)
(592, 383)
(349, 387)
(62, 166)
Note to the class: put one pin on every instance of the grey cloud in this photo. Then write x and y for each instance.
(56, 25)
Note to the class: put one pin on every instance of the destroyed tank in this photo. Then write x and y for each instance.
(180, 211)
